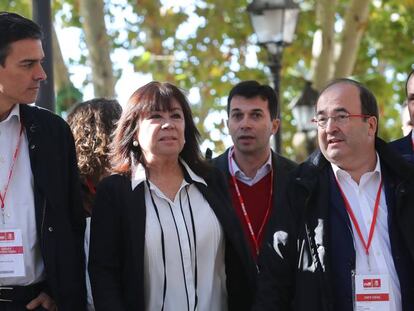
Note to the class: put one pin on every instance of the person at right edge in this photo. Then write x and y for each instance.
(345, 239)
(256, 175)
(405, 145)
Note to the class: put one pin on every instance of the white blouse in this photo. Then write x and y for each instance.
(194, 265)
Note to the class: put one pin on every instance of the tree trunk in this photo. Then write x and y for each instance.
(97, 40)
(326, 18)
(66, 93)
(60, 71)
(356, 21)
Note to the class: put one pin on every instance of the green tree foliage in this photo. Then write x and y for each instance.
(385, 58)
(213, 57)
(209, 45)
(210, 56)
(24, 7)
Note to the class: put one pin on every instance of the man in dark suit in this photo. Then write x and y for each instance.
(405, 145)
(41, 220)
(256, 175)
(345, 237)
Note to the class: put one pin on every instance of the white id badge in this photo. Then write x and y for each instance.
(11, 253)
(372, 292)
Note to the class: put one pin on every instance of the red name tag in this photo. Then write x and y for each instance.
(6, 236)
(11, 253)
(11, 250)
(372, 297)
(372, 292)
(372, 283)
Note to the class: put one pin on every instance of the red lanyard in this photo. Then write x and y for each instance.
(255, 238)
(14, 160)
(91, 186)
(355, 222)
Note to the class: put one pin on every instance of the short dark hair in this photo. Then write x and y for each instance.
(14, 27)
(154, 96)
(410, 75)
(368, 101)
(252, 88)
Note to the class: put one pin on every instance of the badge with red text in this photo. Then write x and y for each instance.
(11, 253)
(372, 292)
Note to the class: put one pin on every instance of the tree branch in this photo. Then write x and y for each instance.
(97, 40)
(356, 21)
(326, 20)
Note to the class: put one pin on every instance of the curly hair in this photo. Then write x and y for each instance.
(92, 123)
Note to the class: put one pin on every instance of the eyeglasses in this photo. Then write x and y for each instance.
(339, 119)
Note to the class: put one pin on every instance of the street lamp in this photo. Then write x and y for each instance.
(42, 15)
(274, 22)
(303, 110)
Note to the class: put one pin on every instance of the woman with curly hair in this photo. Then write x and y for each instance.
(92, 123)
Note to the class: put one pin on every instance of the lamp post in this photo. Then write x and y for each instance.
(274, 22)
(42, 15)
(303, 109)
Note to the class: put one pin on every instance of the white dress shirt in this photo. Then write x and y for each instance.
(19, 204)
(86, 243)
(361, 198)
(179, 243)
(241, 176)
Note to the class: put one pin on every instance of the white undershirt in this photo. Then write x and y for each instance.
(361, 198)
(211, 287)
(19, 203)
(241, 176)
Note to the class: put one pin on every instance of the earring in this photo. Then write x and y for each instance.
(135, 143)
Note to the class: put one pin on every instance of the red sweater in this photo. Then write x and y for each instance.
(256, 201)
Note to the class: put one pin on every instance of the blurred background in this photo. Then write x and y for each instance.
(103, 48)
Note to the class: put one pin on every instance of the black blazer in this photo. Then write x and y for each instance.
(404, 147)
(60, 219)
(116, 263)
(308, 265)
(281, 166)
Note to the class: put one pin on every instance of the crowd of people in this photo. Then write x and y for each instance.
(119, 210)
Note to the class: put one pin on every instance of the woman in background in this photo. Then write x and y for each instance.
(163, 233)
(92, 123)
